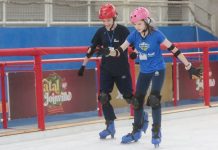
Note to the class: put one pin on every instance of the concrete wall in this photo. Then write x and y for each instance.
(211, 7)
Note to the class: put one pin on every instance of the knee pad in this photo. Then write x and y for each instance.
(104, 98)
(131, 99)
(135, 101)
(154, 101)
(128, 97)
(140, 101)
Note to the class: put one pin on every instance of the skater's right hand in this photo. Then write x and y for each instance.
(133, 55)
(81, 71)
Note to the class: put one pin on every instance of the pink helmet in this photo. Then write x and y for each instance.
(140, 13)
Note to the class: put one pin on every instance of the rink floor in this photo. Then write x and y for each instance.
(187, 130)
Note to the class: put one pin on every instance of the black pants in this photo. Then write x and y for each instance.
(107, 81)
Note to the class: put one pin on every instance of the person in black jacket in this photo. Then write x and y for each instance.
(113, 69)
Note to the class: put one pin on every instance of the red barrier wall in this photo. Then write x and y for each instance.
(64, 92)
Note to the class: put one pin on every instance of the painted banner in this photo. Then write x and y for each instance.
(193, 89)
(64, 92)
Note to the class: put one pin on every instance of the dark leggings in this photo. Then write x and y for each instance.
(107, 81)
(156, 80)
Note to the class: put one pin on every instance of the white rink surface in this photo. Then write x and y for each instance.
(190, 130)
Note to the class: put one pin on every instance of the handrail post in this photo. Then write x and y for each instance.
(39, 92)
(133, 76)
(174, 81)
(206, 76)
(4, 103)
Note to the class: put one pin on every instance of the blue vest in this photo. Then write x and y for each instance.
(150, 54)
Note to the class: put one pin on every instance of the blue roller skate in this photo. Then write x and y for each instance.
(132, 137)
(136, 133)
(110, 130)
(156, 135)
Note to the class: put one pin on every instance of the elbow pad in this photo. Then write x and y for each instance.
(177, 53)
(171, 47)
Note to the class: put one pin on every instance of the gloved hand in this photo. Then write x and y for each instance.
(133, 55)
(90, 52)
(109, 52)
(195, 73)
(102, 51)
(81, 70)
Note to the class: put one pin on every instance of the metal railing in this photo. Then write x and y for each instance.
(85, 12)
(37, 53)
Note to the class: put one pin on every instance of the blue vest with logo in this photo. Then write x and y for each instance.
(150, 54)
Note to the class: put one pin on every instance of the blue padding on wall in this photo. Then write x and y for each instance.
(45, 36)
(79, 36)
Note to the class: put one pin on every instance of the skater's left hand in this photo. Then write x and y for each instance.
(194, 73)
(102, 51)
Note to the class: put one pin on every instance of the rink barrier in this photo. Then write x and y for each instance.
(40, 51)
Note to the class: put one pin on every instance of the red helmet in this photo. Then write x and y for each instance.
(107, 11)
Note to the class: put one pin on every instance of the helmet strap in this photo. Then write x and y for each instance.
(147, 23)
(112, 26)
(145, 30)
(114, 18)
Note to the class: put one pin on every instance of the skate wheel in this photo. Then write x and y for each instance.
(156, 145)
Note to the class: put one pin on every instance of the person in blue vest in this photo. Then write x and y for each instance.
(147, 41)
(113, 70)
